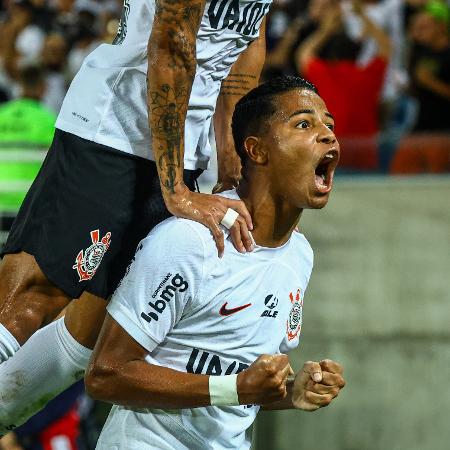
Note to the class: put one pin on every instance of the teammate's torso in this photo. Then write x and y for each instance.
(107, 103)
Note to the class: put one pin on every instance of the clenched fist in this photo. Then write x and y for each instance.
(317, 384)
(264, 381)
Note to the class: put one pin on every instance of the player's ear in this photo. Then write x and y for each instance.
(255, 150)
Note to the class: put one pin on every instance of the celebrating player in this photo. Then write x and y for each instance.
(114, 172)
(186, 329)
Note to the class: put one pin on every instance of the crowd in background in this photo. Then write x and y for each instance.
(43, 44)
(54, 35)
(382, 66)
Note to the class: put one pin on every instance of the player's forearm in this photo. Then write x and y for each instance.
(137, 384)
(171, 71)
(243, 77)
(235, 86)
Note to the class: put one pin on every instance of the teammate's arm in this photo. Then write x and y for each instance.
(171, 71)
(243, 77)
(119, 374)
(315, 386)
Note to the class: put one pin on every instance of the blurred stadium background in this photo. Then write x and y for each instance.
(378, 298)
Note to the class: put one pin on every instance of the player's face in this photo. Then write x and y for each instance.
(302, 149)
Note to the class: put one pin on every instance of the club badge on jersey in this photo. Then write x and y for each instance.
(294, 322)
(88, 261)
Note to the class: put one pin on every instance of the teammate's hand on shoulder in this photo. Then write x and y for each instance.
(210, 210)
(264, 381)
(317, 384)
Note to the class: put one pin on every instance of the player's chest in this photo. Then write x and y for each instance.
(255, 309)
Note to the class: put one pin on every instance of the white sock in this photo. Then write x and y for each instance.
(8, 344)
(47, 364)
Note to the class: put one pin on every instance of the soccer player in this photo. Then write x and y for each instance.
(114, 172)
(192, 344)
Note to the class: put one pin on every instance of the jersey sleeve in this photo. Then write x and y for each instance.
(164, 276)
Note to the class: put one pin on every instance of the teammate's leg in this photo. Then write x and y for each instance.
(28, 301)
(28, 382)
(84, 318)
(67, 343)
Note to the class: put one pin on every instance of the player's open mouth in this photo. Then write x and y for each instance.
(325, 170)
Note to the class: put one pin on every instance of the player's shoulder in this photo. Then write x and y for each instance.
(300, 241)
(180, 236)
(302, 248)
(182, 230)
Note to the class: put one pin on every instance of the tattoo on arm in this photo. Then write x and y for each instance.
(238, 84)
(172, 62)
(165, 106)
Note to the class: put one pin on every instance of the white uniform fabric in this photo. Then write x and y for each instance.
(107, 104)
(197, 313)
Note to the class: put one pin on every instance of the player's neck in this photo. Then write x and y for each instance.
(274, 219)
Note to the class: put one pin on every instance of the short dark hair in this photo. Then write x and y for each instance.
(255, 108)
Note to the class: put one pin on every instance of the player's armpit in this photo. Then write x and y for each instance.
(119, 374)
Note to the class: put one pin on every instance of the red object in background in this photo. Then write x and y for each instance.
(359, 153)
(422, 153)
(352, 95)
(62, 434)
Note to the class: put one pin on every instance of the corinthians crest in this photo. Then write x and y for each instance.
(87, 261)
(294, 323)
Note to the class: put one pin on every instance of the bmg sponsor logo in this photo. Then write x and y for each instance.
(176, 284)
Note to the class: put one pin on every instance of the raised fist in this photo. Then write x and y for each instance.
(264, 381)
(317, 384)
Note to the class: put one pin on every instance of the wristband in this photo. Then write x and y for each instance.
(223, 390)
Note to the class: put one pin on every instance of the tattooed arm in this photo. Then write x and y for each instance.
(171, 71)
(243, 77)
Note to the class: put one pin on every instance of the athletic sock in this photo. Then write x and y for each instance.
(47, 364)
(8, 344)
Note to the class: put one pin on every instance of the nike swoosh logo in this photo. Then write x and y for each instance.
(224, 311)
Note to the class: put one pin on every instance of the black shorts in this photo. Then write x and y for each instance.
(86, 212)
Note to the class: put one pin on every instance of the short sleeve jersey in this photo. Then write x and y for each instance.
(197, 313)
(107, 100)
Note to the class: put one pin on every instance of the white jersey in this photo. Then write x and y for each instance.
(198, 313)
(106, 102)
